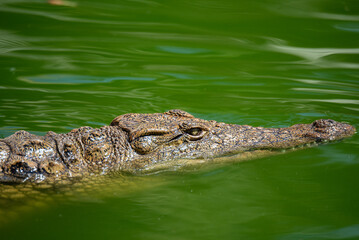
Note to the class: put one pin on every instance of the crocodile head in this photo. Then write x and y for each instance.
(150, 142)
(175, 138)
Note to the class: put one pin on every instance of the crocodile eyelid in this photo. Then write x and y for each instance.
(147, 132)
(185, 126)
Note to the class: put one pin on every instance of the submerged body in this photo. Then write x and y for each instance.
(141, 142)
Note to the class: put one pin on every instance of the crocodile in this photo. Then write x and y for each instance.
(137, 143)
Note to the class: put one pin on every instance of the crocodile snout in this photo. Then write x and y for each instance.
(328, 129)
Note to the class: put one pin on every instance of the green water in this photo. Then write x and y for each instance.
(269, 63)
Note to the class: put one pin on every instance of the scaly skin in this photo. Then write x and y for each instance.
(146, 142)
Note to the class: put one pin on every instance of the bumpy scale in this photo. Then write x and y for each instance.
(141, 142)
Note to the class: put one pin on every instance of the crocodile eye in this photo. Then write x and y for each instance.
(194, 131)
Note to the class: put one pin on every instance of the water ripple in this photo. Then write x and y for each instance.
(14, 6)
(307, 53)
(11, 42)
(317, 9)
(78, 79)
(315, 57)
(325, 232)
(349, 26)
(329, 91)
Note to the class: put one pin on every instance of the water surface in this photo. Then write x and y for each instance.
(269, 63)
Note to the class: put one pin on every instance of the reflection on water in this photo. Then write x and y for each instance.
(329, 10)
(325, 232)
(22, 199)
(71, 79)
(315, 57)
(330, 91)
(182, 50)
(10, 42)
(350, 26)
(312, 54)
